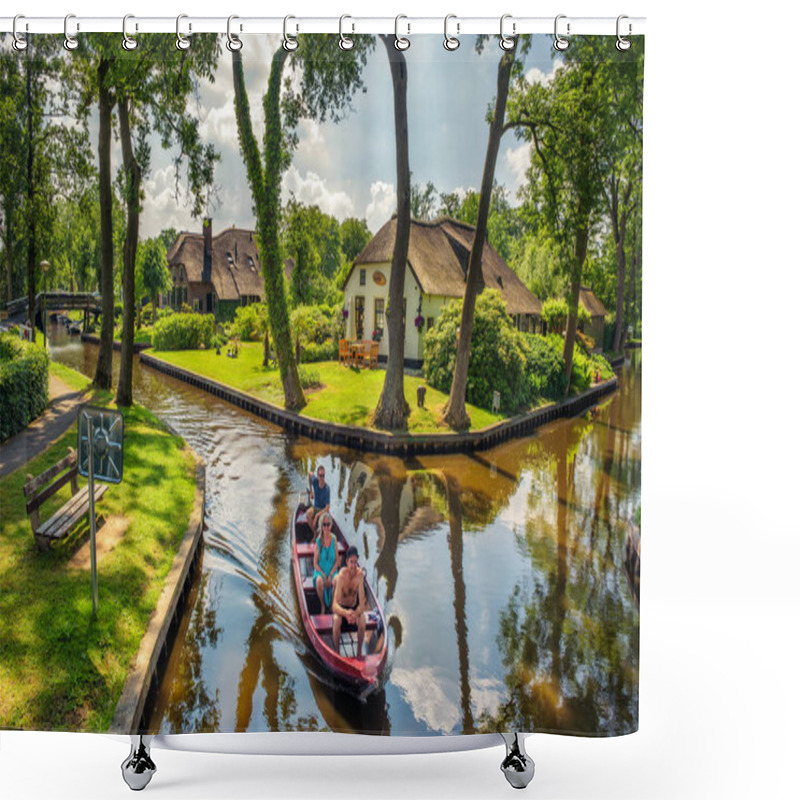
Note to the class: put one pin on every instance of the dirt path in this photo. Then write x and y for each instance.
(44, 430)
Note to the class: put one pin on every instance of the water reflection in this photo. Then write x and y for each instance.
(500, 573)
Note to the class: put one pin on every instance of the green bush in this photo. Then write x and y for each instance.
(309, 378)
(544, 366)
(497, 354)
(317, 324)
(24, 384)
(585, 367)
(250, 322)
(183, 331)
(117, 310)
(327, 351)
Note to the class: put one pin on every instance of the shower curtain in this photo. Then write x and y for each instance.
(364, 290)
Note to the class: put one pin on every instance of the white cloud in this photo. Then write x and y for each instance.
(535, 75)
(314, 191)
(518, 159)
(424, 690)
(382, 205)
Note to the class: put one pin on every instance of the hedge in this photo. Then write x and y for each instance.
(24, 384)
(183, 331)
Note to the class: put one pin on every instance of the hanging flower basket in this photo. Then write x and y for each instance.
(419, 321)
(345, 313)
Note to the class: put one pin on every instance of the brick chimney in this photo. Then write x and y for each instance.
(208, 249)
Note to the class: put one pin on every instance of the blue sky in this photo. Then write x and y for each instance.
(348, 169)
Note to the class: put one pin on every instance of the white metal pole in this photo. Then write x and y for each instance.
(93, 542)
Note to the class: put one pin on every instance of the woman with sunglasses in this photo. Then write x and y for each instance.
(326, 561)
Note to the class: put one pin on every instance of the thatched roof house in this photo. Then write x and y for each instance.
(214, 274)
(597, 311)
(438, 258)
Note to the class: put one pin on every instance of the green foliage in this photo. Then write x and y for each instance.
(250, 322)
(325, 351)
(319, 329)
(183, 331)
(497, 356)
(544, 366)
(586, 367)
(309, 378)
(554, 313)
(152, 271)
(354, 235)
(24, 384)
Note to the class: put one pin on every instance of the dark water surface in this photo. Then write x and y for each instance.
(501, 574)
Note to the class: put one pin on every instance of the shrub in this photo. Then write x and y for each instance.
(497, 356)
(327, 351)
(316, 324)
(309, 378)
(554, 313)
(585, 367)
(250, 322)
(24, 384)
(117, 310)
(183, 332)
(544, 366)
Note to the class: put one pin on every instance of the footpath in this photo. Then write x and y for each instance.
(60, 413)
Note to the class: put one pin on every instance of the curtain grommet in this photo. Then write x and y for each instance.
(451, 43)
(128, 42)
(560, 43)
(234, 43)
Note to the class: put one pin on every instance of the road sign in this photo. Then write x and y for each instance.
(100, 452)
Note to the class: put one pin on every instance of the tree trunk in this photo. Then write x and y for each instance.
(30, 197)
(9, 259)
(455, 411)
(265, 360)
(392, 410)
(581, 245)
(133, 180)
(264, 183)
(630, 301)
(102, 374)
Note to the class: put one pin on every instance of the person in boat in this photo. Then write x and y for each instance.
(350, 600)
(326, 561)
(321, 497)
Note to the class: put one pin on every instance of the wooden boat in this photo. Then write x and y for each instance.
(363, 674)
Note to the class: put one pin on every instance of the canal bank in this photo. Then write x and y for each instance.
(137, 346)
(389, 443)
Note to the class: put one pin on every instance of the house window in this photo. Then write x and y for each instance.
(523, 323)
(196, 304)
(359, 307)
(430, 322)
(250, 262)
(362, 277)
(380, 318)
(230, 258)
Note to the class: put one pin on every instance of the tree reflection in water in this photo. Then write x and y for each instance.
(569, 639)
(190, 707)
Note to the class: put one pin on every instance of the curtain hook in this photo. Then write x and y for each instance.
(290, 43)
(128, 43)
(560, 43)
(345, 42)
(70, 42)
(507, 42)
(182, 42)
(401, 42)
(451, 42)
(19, 43)
(234, 42)
(623, 43)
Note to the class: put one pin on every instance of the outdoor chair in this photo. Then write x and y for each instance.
(373, 355)
(344, 351)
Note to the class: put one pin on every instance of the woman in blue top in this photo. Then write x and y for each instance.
(326, 561)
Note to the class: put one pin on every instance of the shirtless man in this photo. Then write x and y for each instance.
(350, 599)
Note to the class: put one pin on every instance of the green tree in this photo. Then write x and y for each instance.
(568, 122)
(152, 270)
(455, 410)
(423, 201)
(354, 235)
(392, 410)
(328, 79)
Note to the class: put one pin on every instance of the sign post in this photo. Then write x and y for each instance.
(100, 455)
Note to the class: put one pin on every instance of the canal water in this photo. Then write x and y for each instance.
(500, 573)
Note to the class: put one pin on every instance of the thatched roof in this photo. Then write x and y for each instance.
(589, 301)
(438, 256)
(231, 278)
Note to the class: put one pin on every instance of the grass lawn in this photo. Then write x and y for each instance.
(73, 378)
(141, 335)
(347, 396)
(59, 668)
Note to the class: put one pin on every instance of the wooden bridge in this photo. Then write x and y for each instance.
(87, 302)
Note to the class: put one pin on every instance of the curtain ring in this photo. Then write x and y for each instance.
(234, 43)
(128, 43)
(345, 42)
(290, 43)
(451, 42)
(507, 42)
(560, 43)
(400, 42)
(623, 43)
(19, 42)
(182, 42)
(70, 42)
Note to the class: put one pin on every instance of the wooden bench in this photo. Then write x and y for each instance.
(43, 487)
